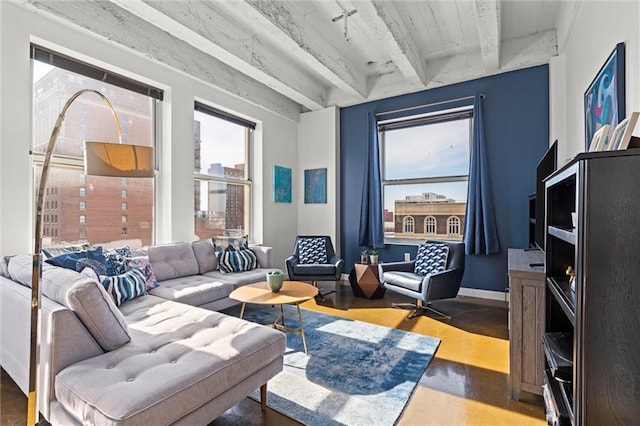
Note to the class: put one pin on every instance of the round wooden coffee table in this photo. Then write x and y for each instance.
(291, 293)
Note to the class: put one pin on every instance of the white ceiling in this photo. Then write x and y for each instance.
(302, 56)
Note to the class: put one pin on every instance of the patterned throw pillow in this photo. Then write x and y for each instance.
(116, 260)
(312, 251)
(237, 243)
(78, 260)
(231, 260)
(142, 264)
(431, 258)
(58, 250)
(125, 287)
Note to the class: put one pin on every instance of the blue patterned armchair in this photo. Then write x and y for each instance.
(314, 259)
(435, 274)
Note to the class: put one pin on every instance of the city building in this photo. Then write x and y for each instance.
(429, 216)
(75, 203)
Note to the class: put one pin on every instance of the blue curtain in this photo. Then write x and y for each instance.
(371, 221)
(480, 234)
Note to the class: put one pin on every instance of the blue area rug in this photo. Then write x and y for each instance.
(356, 373)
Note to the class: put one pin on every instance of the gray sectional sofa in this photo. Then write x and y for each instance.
(163, 358)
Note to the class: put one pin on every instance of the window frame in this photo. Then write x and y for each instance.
(74, 65)
(417, 120)
(428, 224)
(247, 181)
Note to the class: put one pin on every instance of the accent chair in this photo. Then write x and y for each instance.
(436, 273)
(314, 259)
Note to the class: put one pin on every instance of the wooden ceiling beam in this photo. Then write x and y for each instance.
(215, 35)
(287, 28)
(395, 36)
(488, 20)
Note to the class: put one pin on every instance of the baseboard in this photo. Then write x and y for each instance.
(468, 292)
(483, 294)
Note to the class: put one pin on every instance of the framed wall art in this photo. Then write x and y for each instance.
(604, 99)
(315, 186)
(281, 184)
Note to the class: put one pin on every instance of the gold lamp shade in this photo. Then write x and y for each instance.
(118, 160)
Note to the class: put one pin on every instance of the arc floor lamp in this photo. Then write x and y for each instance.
(100, 159)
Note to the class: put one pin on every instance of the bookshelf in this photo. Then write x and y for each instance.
(592, 327)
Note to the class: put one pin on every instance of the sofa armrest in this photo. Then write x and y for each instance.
(64, 339)
(264, 255)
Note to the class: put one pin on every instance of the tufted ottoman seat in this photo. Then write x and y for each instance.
(182, 365)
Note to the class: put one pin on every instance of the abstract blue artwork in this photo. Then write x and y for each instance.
(281, 184)
(315, 186)
(604, 100)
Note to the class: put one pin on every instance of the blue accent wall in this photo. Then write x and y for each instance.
(516, 114)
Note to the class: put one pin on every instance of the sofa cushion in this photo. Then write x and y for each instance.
(431, 258)
(125, 286)
(181, 357)
(231, 260)
(91, 304)
(326, 269)
(173, 261)
(407, 280)
(312, 250)
(205, 253)
(195, 290)
(20, 268)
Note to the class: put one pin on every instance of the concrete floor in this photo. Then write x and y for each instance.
(465, 384)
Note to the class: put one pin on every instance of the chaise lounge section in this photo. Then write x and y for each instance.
(159, 359)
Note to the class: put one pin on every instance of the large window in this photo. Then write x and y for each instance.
(222, 179)
(97, 201)
(425, 170)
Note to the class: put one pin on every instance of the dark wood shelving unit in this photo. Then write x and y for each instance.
(532, 220)
(564, 296)
(566, 234)
(592, 333)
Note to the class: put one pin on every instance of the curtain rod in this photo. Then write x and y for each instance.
(482, 95)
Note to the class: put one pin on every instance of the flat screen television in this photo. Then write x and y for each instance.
(547, 165)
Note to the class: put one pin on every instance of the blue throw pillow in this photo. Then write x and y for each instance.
(125, 287)
(312, 251)
(116, 260)
(230, 260)
(431, 258)
(55, 251)
(78, 260)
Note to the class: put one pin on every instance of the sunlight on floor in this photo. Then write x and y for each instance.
(455, 410)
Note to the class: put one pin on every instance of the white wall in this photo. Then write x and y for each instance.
(599, 26)
(319, 147)
(275, 137)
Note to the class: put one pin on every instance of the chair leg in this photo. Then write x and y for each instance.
(418, 307)
(437, 312)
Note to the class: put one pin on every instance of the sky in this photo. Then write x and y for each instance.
(427, 151)
(222, 141)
